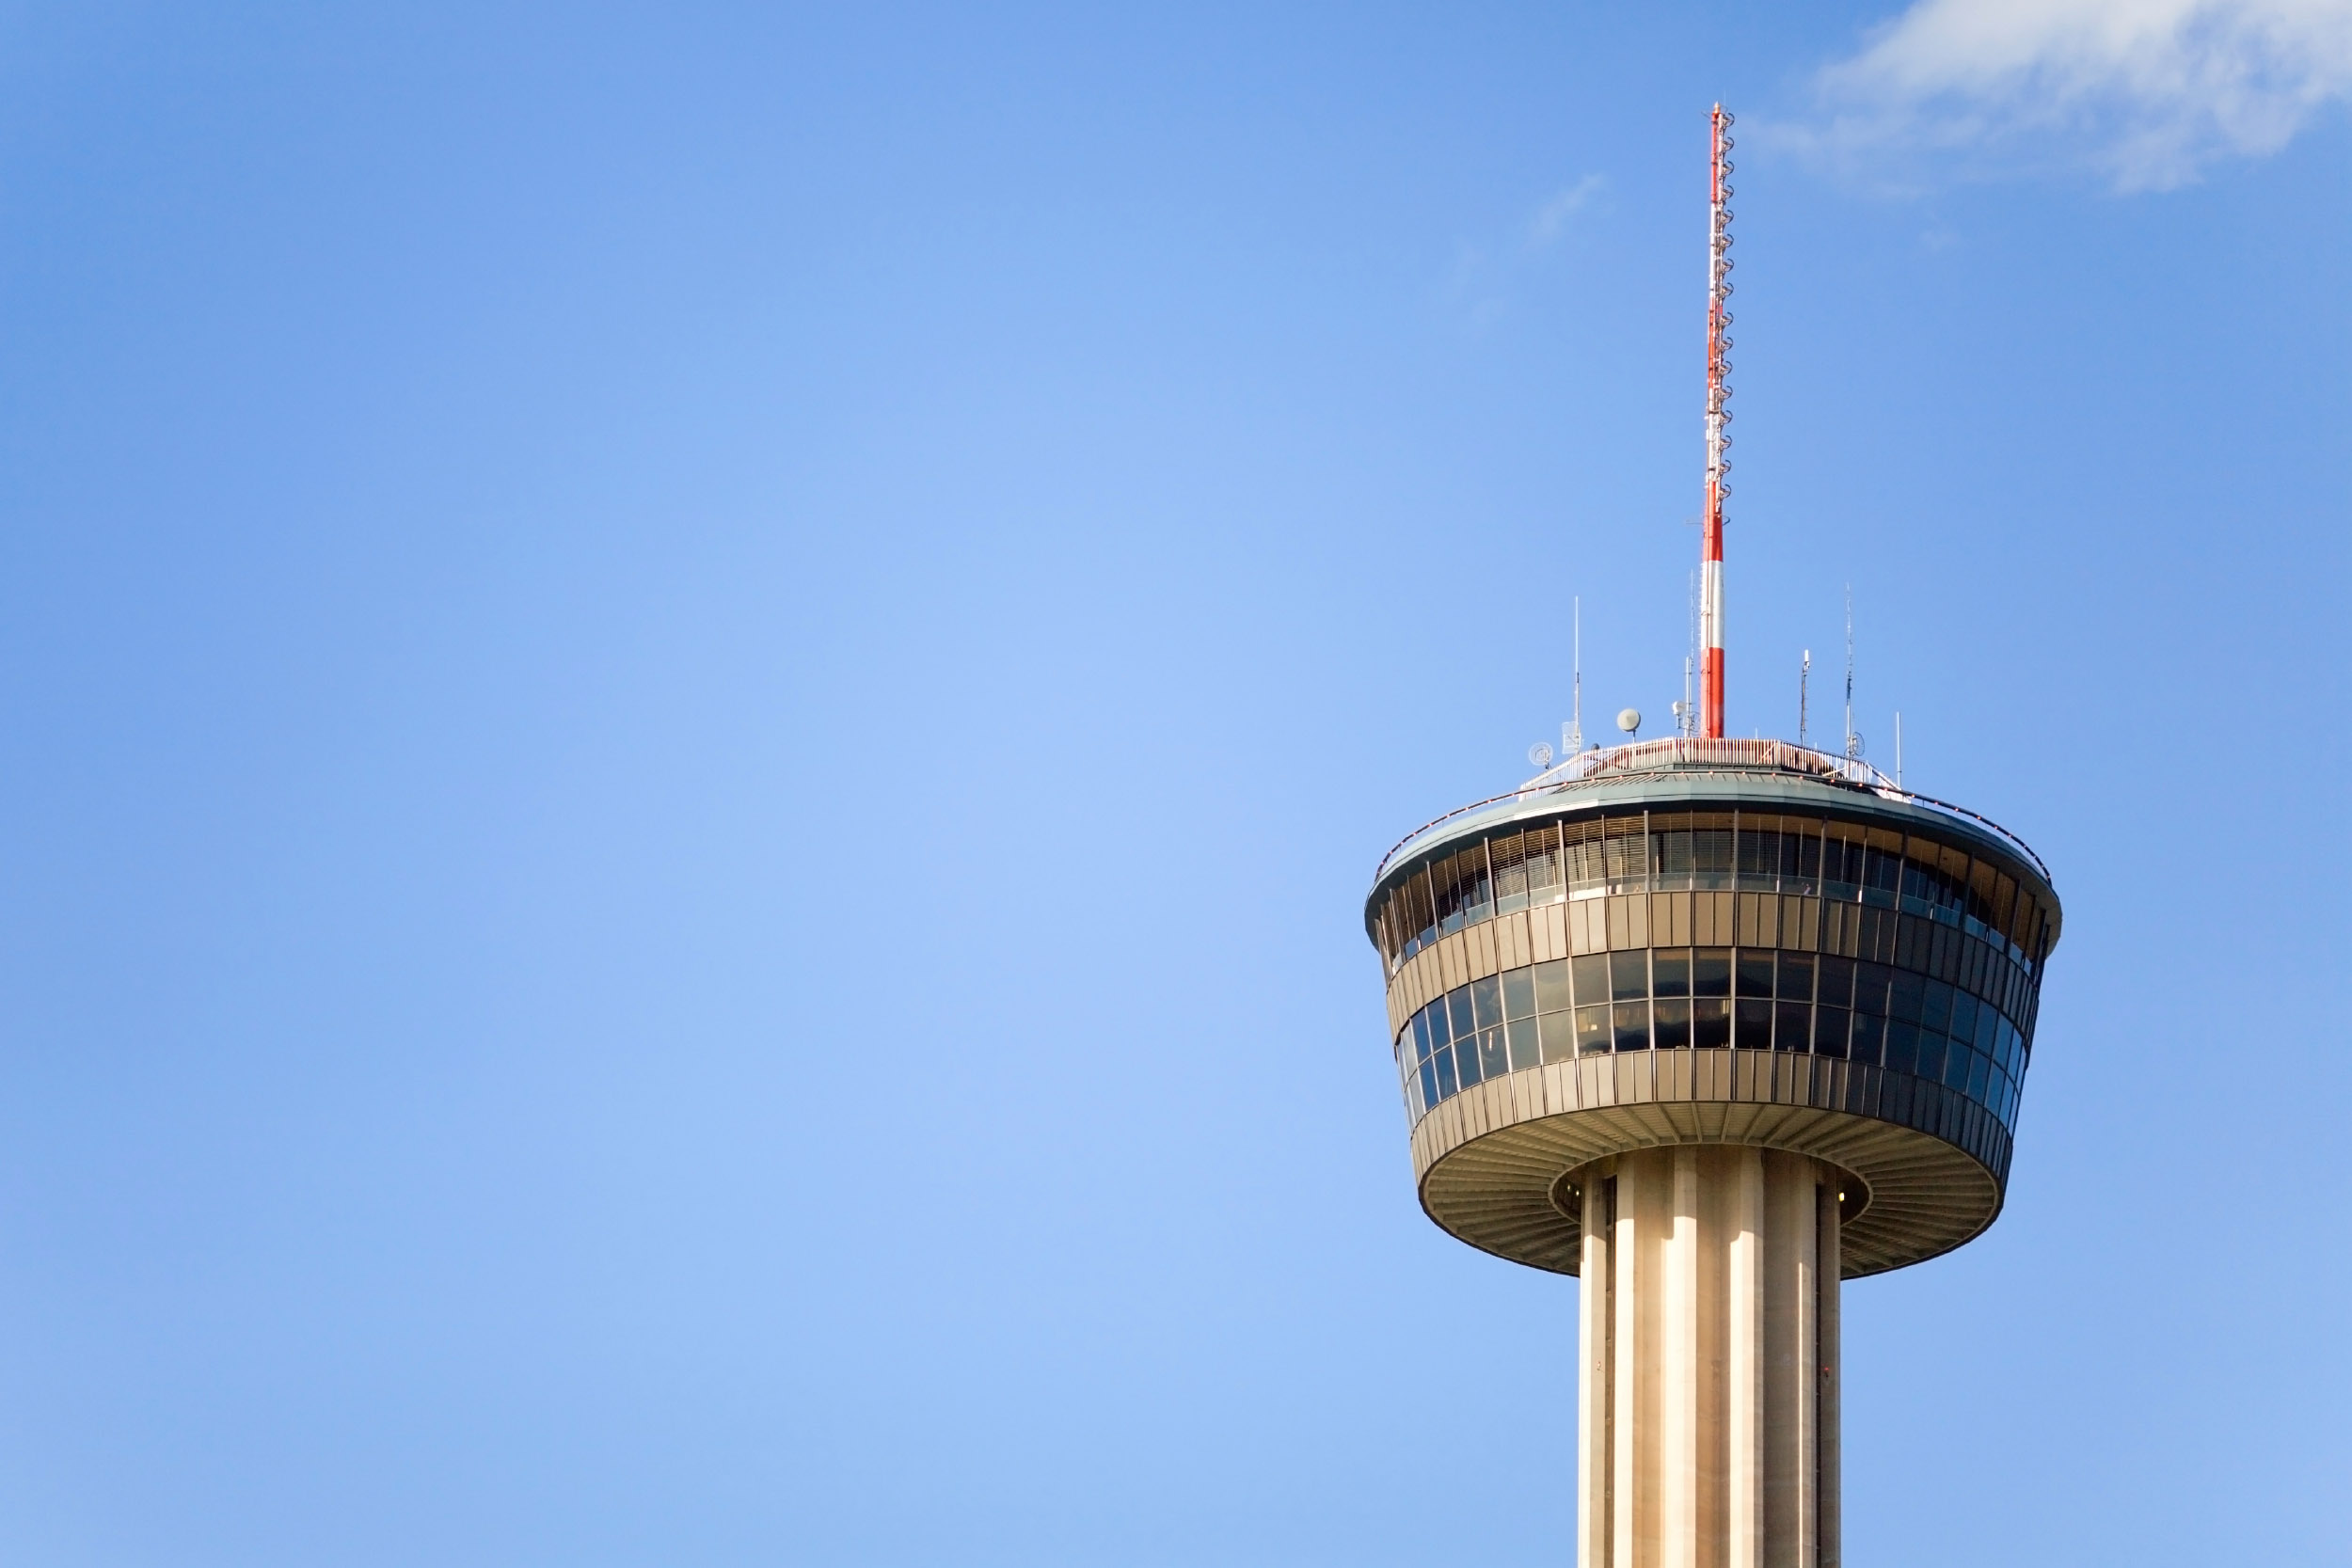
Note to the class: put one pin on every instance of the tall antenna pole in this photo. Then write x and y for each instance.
(1718, 394)
(1804, 686)
(1854, 742)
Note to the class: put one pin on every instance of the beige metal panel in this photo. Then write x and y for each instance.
(1452, 967)
(1481, 949)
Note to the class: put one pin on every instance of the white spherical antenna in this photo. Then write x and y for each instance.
(1629, 721)
(1540, 754)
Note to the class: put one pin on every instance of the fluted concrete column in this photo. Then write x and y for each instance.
(1707, 1415)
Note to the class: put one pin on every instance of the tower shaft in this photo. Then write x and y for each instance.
(1706, 1433)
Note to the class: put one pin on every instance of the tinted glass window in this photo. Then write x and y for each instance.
(1710, 972)
(1551, 985)
(1752, 1025)
(1936, 1015)
(1592, 978)
(1487, 1002)
(1755, 972)
(1796, 977)
(1670, 970)
(1629, 974)
(1458, 1007)
(1870, 987)
(1907, 996)
(1830, 1028)
(1837, 980)
(1869, 1035)
(1518, 993)
(1710, 1023)
(1633, 1026)
(1792, 1025)
(1672, 1016)
(1526, 1048)
(1493, 1060)
(1592, 1029)
(1903, 1046)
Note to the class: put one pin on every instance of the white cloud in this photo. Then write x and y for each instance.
(1551, 219)
(2149, 92)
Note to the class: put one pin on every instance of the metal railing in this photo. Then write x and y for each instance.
(1604, 763)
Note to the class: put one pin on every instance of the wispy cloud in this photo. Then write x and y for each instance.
(2147, 92)
(1551, 220)
(1484, 276)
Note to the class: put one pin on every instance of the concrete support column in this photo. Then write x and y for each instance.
(1708, 1411)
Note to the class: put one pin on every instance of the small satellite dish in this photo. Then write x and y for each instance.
(1629, 721)
(1540, 754)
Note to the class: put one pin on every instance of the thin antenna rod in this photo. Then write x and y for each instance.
(1899, 748)
(1718, 415)
(1804, 682)
(1854, 742)
(1574, 740)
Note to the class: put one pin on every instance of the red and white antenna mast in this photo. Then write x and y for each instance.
(1718, 415)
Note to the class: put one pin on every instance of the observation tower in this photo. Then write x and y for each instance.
(1714, 1024)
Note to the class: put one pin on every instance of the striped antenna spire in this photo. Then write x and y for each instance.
(1718, 415)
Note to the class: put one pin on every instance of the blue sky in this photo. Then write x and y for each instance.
(694, 703)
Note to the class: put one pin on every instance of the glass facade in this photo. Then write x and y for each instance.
(1735, 998)
(1670, 851)
(1888, 948)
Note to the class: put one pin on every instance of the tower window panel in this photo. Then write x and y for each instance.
(1458, 1007)
(1628, 973)
(1551, 985)
(1870, 987)
(1592, 978)
(1907, 996)
(1710, 972)
(1831, 1028)
(1837, 980)
(1670, 970)
(1457, 1070)
(1869, 1038)
(1672, 1016)
(1964, 1016)
(1903, 1046)
(1792, 1027)
(1935, 1016)
(1465, 1061)
(1956, 1060)
(1592, 1029)
(1518, 993)
(1676, 861)
(1422, 1043)
(1494, 1056)
(1988, 1029)
(1429, 1092)
(1796, 977)
(1752, 1025)
(1440, 1022)
(1508, 856)
(1633, 1026)
(1710, 1024)
(1526, 1044)
(1980, 1075)
(1559, 1032)
(1928, 1049)
(1543, 863)
(1755, 972)
(1487, 1002)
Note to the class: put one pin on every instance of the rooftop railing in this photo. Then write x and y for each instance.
(1599, 765)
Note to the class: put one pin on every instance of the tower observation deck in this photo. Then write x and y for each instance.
(1715, 1024)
